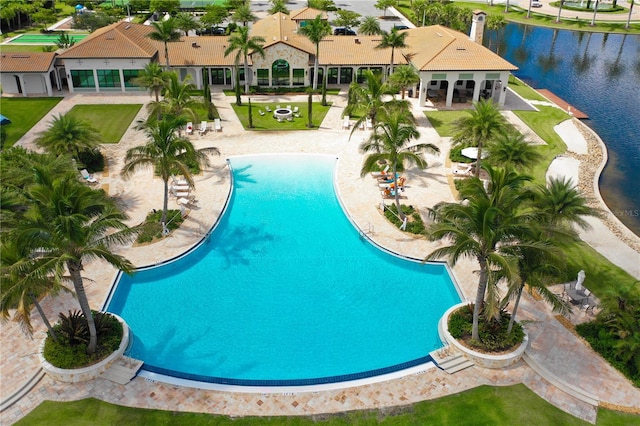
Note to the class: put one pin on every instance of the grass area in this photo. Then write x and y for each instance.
(524, 90)
(443, 121)
(512, 405)
(110, 120)
(24, 114)
(267, 122)
(21, 48)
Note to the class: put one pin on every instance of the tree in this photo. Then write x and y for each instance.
(214, 16)
(393, 40)
(278, 6)
(164, 6)
(495, 24)
(177, 99)
(487, 227)
(243, 14)
(403, 77)
(628, 23)
(68, 134)
(153, 77)
(167, 153)
(242, 44)
(511, 149)
(165, 31)
(136, 6)
(346, 18)
(44, 17)
(310, 109)
(595, 12)
(482, 124)
(92, 21)
(67, 223)
(370, 26)
(315, 31)
(384, 5)
(64, 41)
(561, 3)
(186, 22)
(369, 98)
(391, 143)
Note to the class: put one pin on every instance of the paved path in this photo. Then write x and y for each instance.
(551, 344)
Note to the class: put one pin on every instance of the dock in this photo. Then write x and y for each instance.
(562, 104)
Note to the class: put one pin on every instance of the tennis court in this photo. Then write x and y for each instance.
(45, 38)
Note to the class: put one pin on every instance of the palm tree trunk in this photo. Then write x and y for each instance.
(166, 53)
(246, 74)
(165, 203)
(50, 329)
(479, 159)
(595, 12)
(559, 11)
(629, 16)
(74, 271)
(397, 192)
(482, 288)
(515, 309)
(315, 68)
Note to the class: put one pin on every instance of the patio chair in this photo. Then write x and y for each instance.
(267, 108)
(86, 176)
(278, 106)
(288, 106)
(189, 129)
(346, 123)
(261, 112)
(289, 118)
(217, 126)
(203, 127)
(295, 109)
(463, 169)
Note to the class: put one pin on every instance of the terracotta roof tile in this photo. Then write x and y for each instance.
(201, 51)
(358, 50)
(307, 13)
(27, 62)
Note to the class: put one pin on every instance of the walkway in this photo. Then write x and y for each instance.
(552, 345)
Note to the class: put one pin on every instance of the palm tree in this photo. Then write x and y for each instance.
(67, 223)
(177, 99)
(165, 31)
(278, 6)
(486, 227)
(393, 40)
(186, 22)
(243, 44)
(561, 3)
(68, 134)
(369, 98)
(370, 26)
(561, 203)
(167, 153)
(483, 123)
(243, 14)
(153, 77)
(595, 12)
(628, 23)
(391, 144)
(511, 149)
(403, 77)
(315, 31)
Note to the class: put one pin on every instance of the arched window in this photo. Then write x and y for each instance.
(280, 73)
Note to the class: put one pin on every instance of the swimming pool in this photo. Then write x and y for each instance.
(285, 290)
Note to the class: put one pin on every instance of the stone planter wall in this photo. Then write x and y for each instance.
(480, 359)
(85, 374)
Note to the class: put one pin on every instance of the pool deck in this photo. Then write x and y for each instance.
(566, 359)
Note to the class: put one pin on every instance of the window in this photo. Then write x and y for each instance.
(332, 76)
(263, 76)
(108, 78)
(298, 76)
(346, 75)
(82, 78)
(217, 76)
(129, 76)
(280, 72)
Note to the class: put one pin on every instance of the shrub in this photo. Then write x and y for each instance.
(414, 226)
(456, 156)
(493, 333)
(92, 160)
(152, 228)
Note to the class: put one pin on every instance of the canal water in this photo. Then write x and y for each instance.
(599, 74)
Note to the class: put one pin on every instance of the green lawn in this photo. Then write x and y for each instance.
(110, 120)
(486, 405)
(267, 122)
(24, 114)
(21, 48)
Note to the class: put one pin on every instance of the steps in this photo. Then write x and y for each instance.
(450, 360)
(123, 370)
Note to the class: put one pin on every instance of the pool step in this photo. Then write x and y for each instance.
(450, 360)
(123, 370)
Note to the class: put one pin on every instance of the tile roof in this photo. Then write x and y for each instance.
(198, 51)
(358, 50)
(279, 28)
(119, 40)
(27, 62)
(438, 48)
(307, 13)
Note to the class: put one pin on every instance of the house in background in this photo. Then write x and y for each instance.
(29, 74)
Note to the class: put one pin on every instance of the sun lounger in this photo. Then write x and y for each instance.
(189, 128)
(346, 124)
(361, 126)
(463, 169)
(203, 127)
(382, 173)
(86, 176)
(217, 126)
(180, 181)
(369, 124)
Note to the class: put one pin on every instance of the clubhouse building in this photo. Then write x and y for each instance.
(453, 67)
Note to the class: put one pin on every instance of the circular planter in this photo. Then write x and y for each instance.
(91, 372)
(480, 359)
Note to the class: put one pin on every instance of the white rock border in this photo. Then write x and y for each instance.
(480, 359)
(91, 372)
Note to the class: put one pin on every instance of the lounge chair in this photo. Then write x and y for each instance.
(346, 124)
(369, 124)
(391, 184)
(189, 128)
(296, 115)
(361, 126)
(383, 173)
(203, 127)
(180, 181)
(463, 169)
(86, 176)
(217, 126)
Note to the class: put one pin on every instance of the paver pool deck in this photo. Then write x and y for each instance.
(565, 358)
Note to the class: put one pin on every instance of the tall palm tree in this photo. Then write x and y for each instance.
(561, 203)
(487, 227)
(370, 26)
(483, 123)
(561, 3)
(153, 77)
(315, 31)
(391, 143)
(511, 149)
(595, 12)
(242, 44)
(69, 134)
(167, 153)
(186, 22)
(392, 39)
(403, 77)
(177, 99)
(369, 98)
(628, 23)
(67, 223)
(166, 32)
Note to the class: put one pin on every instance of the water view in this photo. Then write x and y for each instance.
(599, 74)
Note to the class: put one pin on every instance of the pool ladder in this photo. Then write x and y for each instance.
(366, 231)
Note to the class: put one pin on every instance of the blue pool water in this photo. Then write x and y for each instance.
(284, 289)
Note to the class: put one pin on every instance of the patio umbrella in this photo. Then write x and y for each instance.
(4, 120)
(472, 152)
